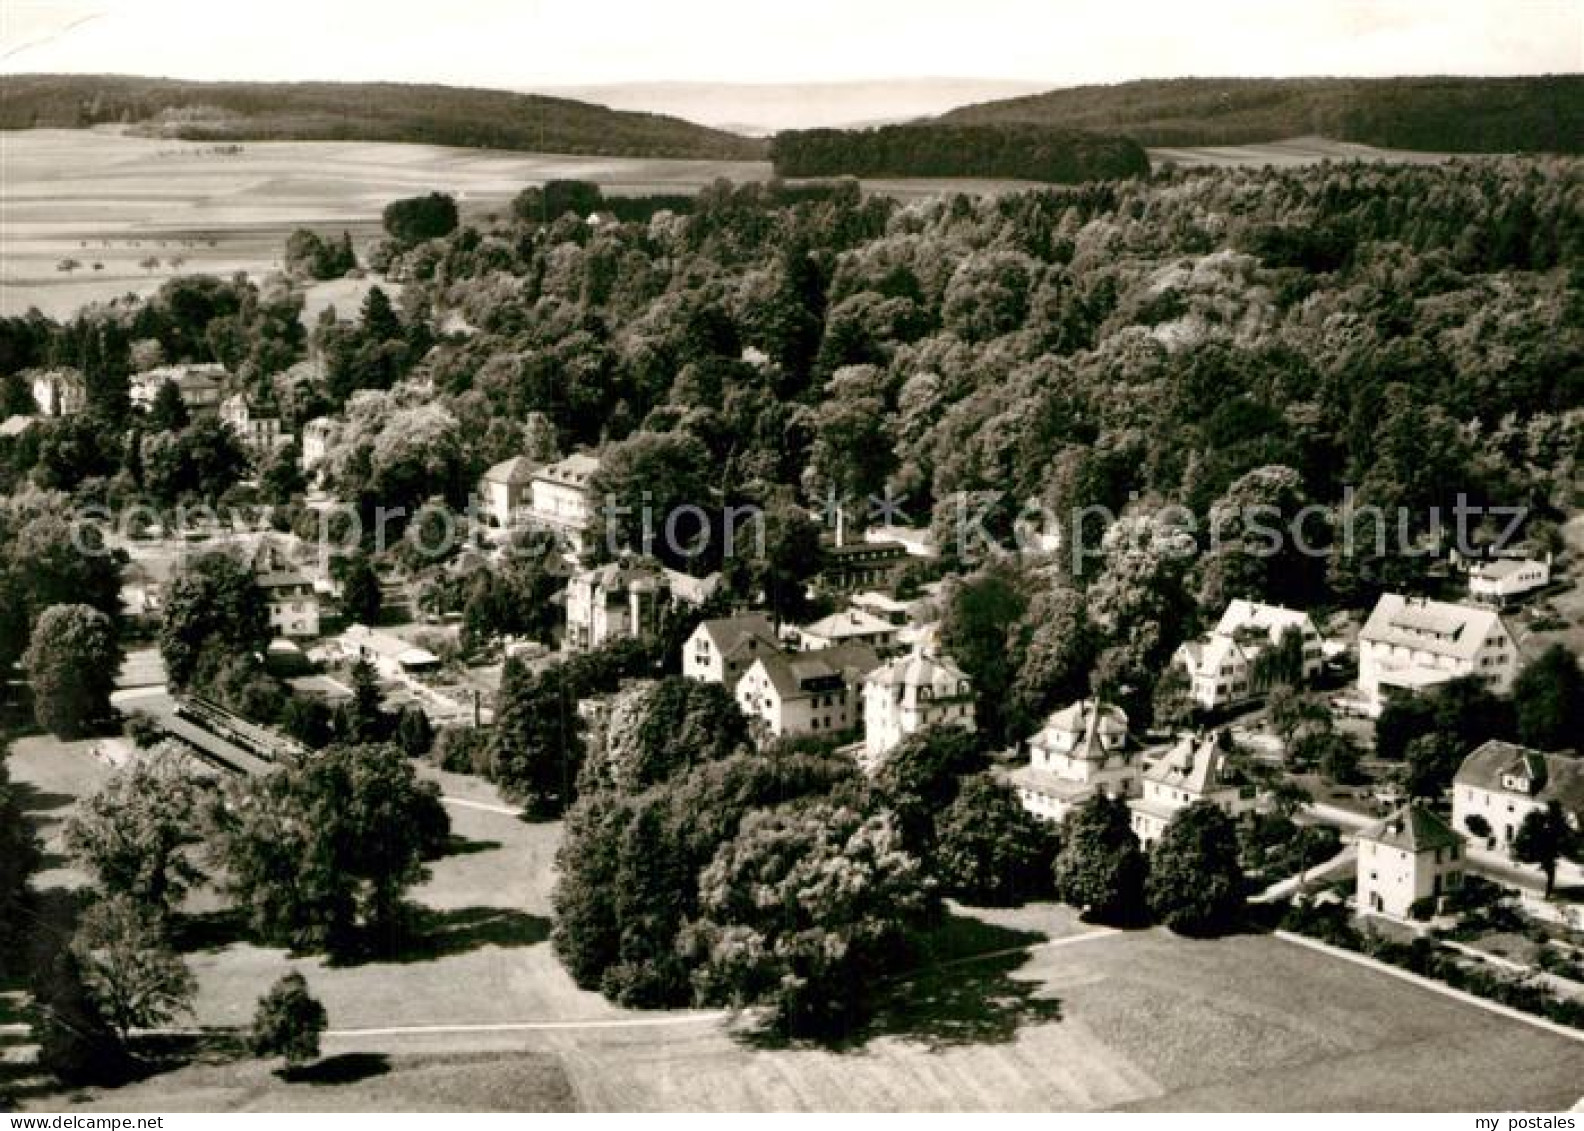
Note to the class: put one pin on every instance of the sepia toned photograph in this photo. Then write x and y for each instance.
(895, 556)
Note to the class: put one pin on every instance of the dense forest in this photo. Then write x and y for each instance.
(1214, 339)
(433, 115)
(1451, 115)
(1018, 151)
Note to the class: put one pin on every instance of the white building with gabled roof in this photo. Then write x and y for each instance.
(720, 650)
(1412, 644)
(562, 499)
(1223, 668)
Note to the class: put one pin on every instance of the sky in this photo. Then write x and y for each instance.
(533, 44)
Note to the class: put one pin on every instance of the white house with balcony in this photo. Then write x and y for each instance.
(1082, 750)
(1412, 644)
(1223, 668)
(626, 599)
(561, 500)
(1411, 856)
(1195, 768)
(908, 694)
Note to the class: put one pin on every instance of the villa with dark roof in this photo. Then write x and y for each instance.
(1194, 769)
(806, 694)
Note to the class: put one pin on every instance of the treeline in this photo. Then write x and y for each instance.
(1021, 152)
(1537, 114)
(433, 115)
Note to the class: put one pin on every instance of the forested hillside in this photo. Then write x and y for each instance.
(1451, 115)
(435, 115)
(1022, 152)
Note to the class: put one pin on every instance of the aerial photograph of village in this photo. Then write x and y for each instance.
(898, 556)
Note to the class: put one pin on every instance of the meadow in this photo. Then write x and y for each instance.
(1052, 1014)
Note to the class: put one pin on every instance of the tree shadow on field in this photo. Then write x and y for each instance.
(962, 992)
(345, 1068)
(462, 846)
(440, 934)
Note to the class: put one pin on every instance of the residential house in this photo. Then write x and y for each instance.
(1193, 769)
(806, 694)
(1082, 750)
(626, 599)
(507, 490)
(1410, 857)
(293, 603)
(1501, 783)
(910, 693)
(200, 386)
(720, 650)
(1410, 644)
(562, 500)
(16, 426)
(1224, 667)
(851, 626)
(260, 432)
(1502, 580)
(59, 392)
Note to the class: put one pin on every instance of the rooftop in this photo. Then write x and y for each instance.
(574, 471)
(515, 472)
(1560, 776)
(726, 634)
(1414, 829)
(1438, 627)
(922, 669)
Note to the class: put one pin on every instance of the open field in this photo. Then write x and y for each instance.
(1068, 1017)
(1288, 154)
(101, 197)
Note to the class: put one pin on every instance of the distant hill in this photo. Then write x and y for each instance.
(1016, 150)
(434, 115)
(761, 109)
(1451, 115)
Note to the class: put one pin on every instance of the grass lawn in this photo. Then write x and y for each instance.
(1059, 1018)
